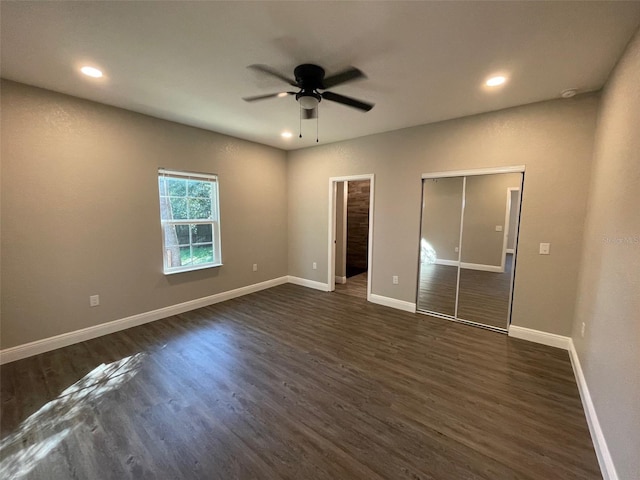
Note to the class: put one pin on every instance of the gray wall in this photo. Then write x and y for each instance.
(553, 139)
(80, 212)
(609, 288)
(485, 207)
(441, 211)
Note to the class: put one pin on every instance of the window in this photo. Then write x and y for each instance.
(190, 220)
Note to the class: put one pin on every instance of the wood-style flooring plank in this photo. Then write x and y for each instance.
(292, 383)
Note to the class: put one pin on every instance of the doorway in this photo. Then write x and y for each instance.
(468, 245)
(350, 239)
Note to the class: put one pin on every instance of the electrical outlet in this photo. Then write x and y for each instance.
(255, 267)
(457, 250)
(94, 300)
(395, 280)
(498, 228)
(315, 266)
(582, 329)
(545, 248)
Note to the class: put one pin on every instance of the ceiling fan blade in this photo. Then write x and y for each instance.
(352, 73)
(269, 95)
(274, 73)
(350, 102)
(308, 114)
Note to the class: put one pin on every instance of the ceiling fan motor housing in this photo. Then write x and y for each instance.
(309, 77)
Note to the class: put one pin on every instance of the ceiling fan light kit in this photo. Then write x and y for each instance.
(310, 80)
(308, 101)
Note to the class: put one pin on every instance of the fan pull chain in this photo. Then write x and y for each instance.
(300, 121)
(317, 120)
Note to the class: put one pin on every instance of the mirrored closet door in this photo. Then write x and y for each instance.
(468, 245)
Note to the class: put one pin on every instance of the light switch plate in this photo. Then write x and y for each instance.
(544, 248)
(498, 228)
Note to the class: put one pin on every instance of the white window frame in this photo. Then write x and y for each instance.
(214, 221)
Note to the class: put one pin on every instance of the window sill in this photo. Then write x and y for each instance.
(191, 269)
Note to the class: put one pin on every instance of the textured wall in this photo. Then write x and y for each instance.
(553, 139)
(609, 293)
(357, 224)
(485, 208)
(441, 211)
(80, 212)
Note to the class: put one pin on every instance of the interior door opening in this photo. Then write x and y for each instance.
(351, 209)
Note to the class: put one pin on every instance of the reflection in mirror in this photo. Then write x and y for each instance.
(440, 238)
(486, 267)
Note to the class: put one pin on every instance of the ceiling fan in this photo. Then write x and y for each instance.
(310, 79)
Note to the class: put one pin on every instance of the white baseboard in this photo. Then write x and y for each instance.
(341, 280)
(308, 283)
(450, 263)
(46, 344)
(481, 267)
(393, 303)
(607, 466)
(537, 336)
(470, 266)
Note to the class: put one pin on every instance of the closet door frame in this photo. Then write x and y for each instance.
(464, 174)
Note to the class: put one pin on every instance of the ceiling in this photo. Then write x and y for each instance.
(425, 61)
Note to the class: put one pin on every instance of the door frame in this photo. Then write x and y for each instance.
(333, 181)
(507, 224)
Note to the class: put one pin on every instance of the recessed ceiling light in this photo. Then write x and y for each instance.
(282, 94)
(286, 134)
(495, 81)
(91, 72)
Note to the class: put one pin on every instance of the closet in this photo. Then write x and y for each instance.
(468, 246)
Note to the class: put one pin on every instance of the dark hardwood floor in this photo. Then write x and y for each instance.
(293, 383)
(437, 288)
(356, 286)
(483, 297)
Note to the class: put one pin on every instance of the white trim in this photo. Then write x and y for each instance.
(331, 254)
(47, 344)
(480, 266)
(393, 303)
(537, 336)
(213, 177)
(471, 266)
(448, 263)
(303, 282)
(343, 240)
(507, 222)
(607, 466)
(476, 171)
(341, 280)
